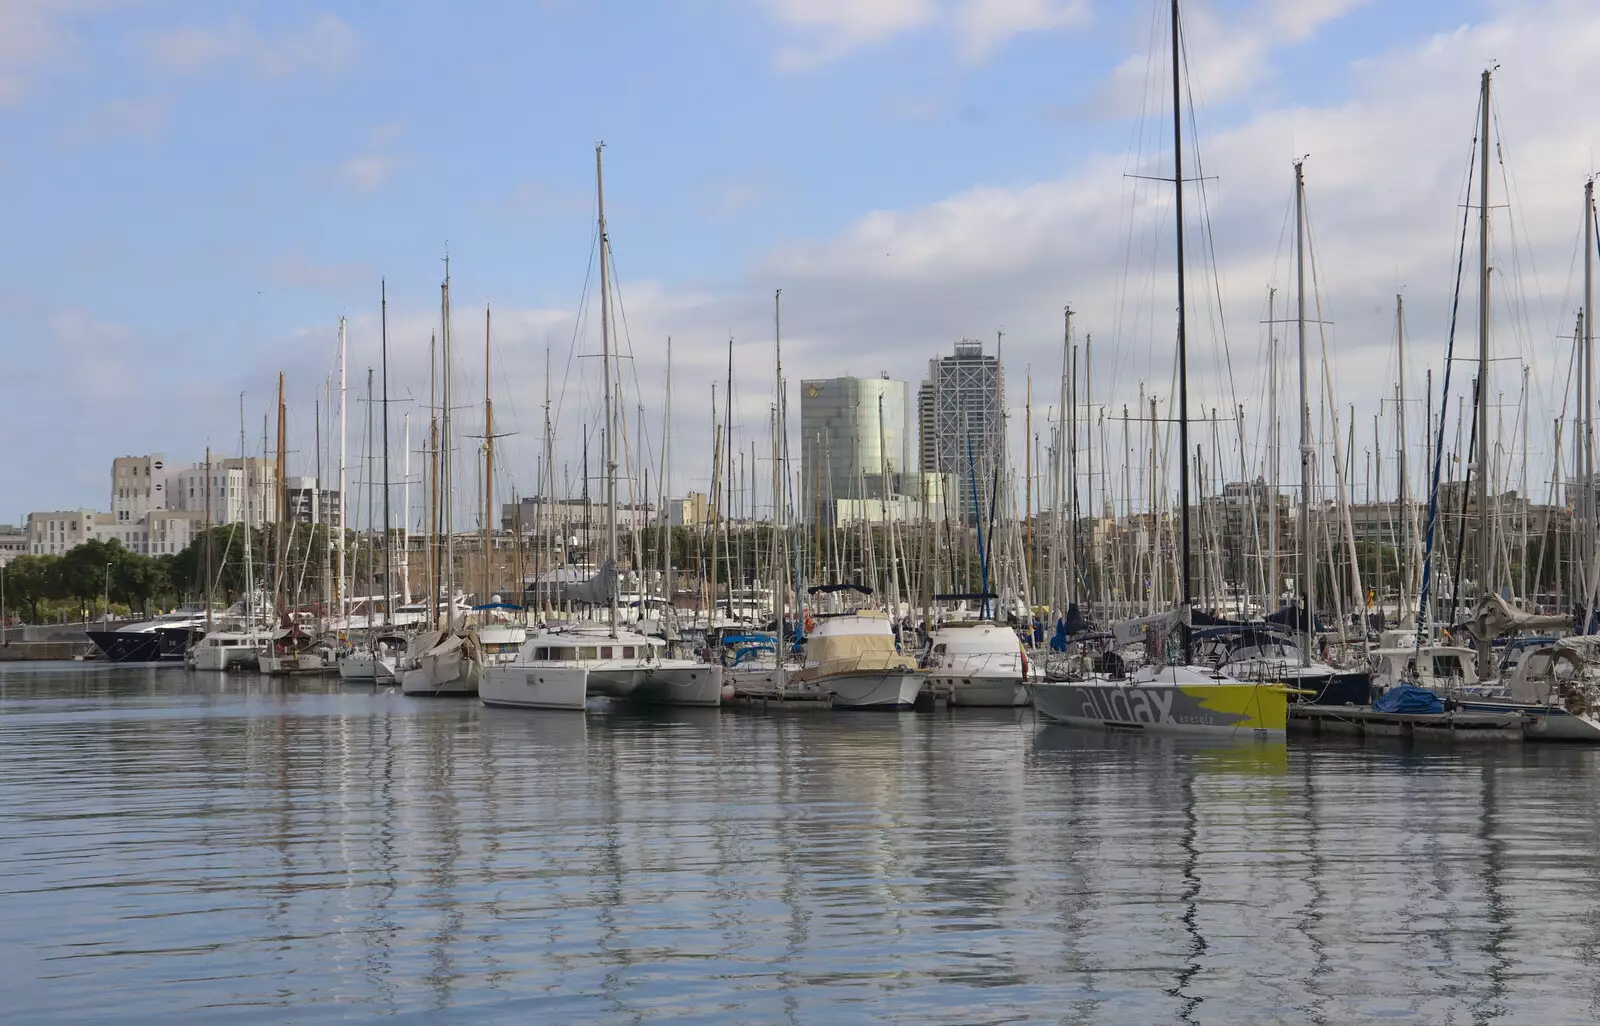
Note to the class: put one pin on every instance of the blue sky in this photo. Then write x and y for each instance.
(196, 192)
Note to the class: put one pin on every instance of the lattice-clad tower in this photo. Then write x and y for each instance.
(961, 424)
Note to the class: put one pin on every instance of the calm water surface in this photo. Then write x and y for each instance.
(189, 848)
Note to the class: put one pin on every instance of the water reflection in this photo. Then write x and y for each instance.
(178, 846)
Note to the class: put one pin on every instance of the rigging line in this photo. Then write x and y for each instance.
(633, 364)
(1509, 183)
(1444, 403)
(578, 321)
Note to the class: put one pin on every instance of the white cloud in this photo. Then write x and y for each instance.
(125, 117)
(36, 34)
(324, 45)
(1225, 56)
(984, 26)
(835, 27)
(370, 168)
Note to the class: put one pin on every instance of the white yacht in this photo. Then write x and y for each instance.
(228, 650)
(978, 663)
(854, 656)
(562, 667)
(372, 662)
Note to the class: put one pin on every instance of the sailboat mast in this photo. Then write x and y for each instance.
(1586, 393)
(280, 507)
(1183, 343)
(605, 365)
(1485, 543)
(249, 567)
(388, 546)
(446, 484)
(1403, 491)
(488, 469)
(343, 503)
(371, 590)
(210, 572)
(1307, 556)
(780, 586)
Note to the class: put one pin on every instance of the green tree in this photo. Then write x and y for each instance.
(30, 581)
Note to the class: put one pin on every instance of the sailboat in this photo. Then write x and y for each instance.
(447, 660)
(560, 668)
(1552, 684)
(1161, 696)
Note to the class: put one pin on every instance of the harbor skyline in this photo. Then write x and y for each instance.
(880, 273)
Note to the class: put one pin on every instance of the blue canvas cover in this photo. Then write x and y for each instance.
(1407, 699)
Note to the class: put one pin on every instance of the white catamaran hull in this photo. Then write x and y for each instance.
(882, 689)
(699, 685)
(535, 687)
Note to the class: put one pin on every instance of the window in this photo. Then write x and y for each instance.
(627, 651)
(605, 652)
(1446, 666)
(541, 653)
(586, 652)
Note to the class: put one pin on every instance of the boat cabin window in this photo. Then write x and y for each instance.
(628, 651)
(605, 651)
(586, 652)
(541, 653)
(1447, 666)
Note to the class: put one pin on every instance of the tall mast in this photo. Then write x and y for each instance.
(388, 545)
(546, 490)
(249, 563)
(367, 473)
(430, 549)
(488, 469)
(1403, 492)
(1059, 596)
(1307, 559)
(727, 478)
(1274, 451)
(667, 581)
(339, 548)
(446, 483)
(280, 503)
(210, 572)
(605, 365)
(405, 514)
(1485, 543)
(780, 588)
(1183, 346)
(1586, 396)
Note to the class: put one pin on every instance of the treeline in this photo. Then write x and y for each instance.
(81, 581)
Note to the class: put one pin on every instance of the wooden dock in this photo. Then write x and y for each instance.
(1362, 721)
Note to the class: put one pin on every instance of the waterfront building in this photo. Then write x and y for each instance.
(13, 543)
(961, 420)
(309, 504)
(52, 532)
(138, 485)
(187, 490)
(848, 451)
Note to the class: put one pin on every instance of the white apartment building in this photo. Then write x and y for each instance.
(138, 485)
(186, 490)
(52, 532)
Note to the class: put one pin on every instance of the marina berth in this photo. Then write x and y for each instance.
(854, 656)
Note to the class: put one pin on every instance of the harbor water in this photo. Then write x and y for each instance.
(179, 847)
